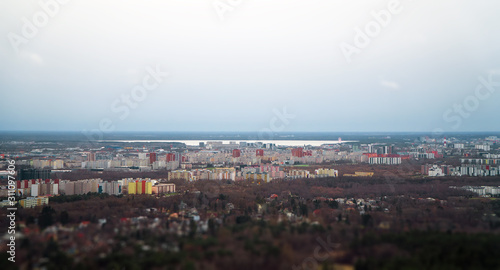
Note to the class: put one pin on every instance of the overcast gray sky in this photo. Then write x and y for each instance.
(230, 68)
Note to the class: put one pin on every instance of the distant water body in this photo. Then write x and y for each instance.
(197, 142)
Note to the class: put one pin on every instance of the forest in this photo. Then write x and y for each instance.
(329, 223)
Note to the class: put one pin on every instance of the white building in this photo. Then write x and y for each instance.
(483, 147)
(459, 146)
(35, 189)
(435, 171)
(385, 160)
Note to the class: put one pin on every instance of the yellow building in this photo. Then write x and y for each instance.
(149, 188)
(31, 202)
(140, 187)
(295, 174)
(42, 201)
(257, 177)
(360, 174)
(132, 188)
(326, 172)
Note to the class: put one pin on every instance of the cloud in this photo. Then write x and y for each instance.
(494, 71)
(389, 84)
(33, 58)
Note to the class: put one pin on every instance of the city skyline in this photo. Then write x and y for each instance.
(249, 134)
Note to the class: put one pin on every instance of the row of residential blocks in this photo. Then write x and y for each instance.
(50, 187)
(463, 170)
(236, 156)
(482, 190)
(172, 161)
(263, 173)
(385, 160)
(482, 161)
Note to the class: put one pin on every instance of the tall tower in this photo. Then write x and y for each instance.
(91, 156)
(170, 157)
(152, 157)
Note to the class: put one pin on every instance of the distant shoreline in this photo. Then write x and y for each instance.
(227, 142)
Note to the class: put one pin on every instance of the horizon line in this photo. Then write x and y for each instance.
(236, 131)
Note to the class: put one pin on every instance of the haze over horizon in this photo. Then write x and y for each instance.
(274, 65)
